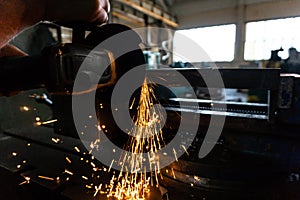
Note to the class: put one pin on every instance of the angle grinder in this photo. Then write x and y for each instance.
(57, 67)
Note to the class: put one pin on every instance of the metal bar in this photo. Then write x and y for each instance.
(221, 113)
(219, 102)
(236, 78)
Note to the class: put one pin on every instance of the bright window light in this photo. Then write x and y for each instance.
(217, 41)
(264, 36)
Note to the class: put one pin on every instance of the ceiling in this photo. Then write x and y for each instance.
(189, 13)
(185, 9)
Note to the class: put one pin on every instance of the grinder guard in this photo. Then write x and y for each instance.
(63, 107)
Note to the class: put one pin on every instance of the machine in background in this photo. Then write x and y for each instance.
(257, 154)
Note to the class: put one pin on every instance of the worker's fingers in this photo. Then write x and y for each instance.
(100, 16)
(105, 5)
(81, 10)
(102, 13)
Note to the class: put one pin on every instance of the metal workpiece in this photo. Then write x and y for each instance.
(237, 78)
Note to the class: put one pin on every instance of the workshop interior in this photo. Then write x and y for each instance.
(218, 80)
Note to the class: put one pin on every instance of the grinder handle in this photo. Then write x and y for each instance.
(79, 29)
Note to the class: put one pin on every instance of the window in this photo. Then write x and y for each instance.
(217, 41)
(264, 36)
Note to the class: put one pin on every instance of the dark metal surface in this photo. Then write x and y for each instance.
(46, 158)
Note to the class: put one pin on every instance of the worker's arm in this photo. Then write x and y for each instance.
(9, 50)
(16, 15)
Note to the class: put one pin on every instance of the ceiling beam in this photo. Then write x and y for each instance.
(154, 13)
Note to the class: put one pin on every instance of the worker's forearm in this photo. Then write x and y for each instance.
(15, 15)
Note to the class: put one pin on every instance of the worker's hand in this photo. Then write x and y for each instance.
(77, 10)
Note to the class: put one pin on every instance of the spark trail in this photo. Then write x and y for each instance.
(133, 181)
